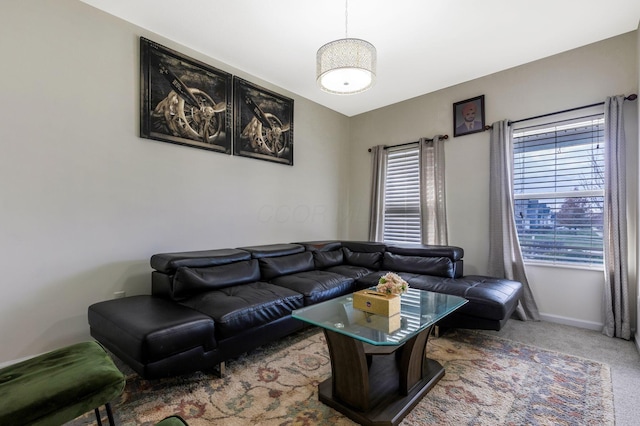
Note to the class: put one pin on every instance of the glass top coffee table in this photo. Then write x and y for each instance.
(378, 364)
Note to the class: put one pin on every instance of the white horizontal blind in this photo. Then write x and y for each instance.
(402, 196)
(411, 315)
(559, 191)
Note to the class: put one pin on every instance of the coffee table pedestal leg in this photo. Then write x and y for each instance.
(387, 391)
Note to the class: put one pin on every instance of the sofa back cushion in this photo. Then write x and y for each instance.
(189, 281)
(437, 266)
(327, 259)
(272, 267)
(371, 260)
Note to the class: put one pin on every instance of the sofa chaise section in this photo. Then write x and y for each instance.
(154, 336)
(492, 301)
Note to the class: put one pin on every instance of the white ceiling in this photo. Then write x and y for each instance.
(423, 45)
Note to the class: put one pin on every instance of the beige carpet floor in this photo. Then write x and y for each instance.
(489, 380)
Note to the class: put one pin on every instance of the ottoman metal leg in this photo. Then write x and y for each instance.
(107, 407)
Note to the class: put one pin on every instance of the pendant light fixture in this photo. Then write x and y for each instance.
(346, 66)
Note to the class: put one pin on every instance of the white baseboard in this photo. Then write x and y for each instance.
(589, 325)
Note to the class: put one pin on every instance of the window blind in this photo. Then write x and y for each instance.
(402, 196)
(559, 191)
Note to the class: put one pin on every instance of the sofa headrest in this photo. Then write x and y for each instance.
(271, 250)
(367, 259)
(169, 262)
(190, 281)
(315, 246)
(327, 259)
(452, 252)
(432, 265)
(364, 246)
(272, 267)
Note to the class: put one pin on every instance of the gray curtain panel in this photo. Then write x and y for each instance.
(616, 294)
(376, 216)
(505, 255)
(433, 209)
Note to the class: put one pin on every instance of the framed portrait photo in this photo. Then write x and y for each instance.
(184, 101)
(263, 123)
(468, 116)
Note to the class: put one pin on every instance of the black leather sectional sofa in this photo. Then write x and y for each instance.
(207, 307)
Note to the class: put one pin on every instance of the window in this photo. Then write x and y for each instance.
(402, 196)
(559, 191)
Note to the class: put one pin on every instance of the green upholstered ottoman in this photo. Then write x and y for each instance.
(59, 386)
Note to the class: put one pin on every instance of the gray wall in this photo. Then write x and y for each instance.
(85, 202)
(579, 77)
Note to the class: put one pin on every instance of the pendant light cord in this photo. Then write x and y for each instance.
(346, 18)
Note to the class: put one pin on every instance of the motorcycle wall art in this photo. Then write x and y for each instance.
(184, 101)
(263, 123)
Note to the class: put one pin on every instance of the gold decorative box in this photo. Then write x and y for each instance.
(381, 323)
(376, 303)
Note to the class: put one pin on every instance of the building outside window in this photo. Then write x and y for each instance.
(559, 191)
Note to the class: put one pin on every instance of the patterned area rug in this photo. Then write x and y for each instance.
(488, 381)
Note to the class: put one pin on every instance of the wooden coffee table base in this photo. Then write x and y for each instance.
(377, 385)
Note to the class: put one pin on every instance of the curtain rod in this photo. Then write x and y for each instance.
(631, 97)
(410, 143)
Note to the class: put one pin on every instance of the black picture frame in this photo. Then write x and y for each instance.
(263, 123)
(474, 109)
(184, 101)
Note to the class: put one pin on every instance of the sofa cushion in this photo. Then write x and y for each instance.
(327, 259)
(238, 308)
(438, 266)
(272, 267)
(189, 281)
(316, 286)
(371, 260)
